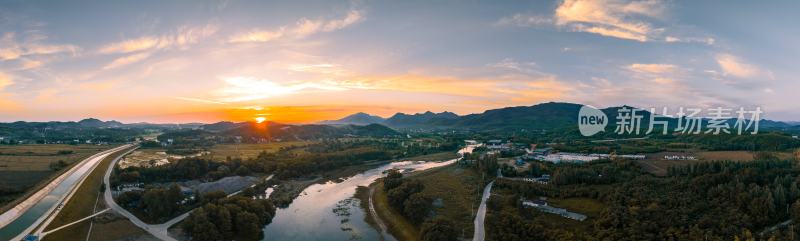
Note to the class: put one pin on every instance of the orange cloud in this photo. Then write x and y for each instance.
(732, 65)
(131, 45)
(609, 18)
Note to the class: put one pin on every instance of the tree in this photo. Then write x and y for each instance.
(153, 203)
(438, 229)
(213, 196)
(247, 225)
(200, 227)
(417, 207)
(234, 218)
(397, 196)
(174, 196)
(795, 212)
(222, 220)
(794, 192)
(132, 176)
(392, 180)
(242, 171)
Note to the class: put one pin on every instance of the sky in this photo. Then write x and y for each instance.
(305, 61)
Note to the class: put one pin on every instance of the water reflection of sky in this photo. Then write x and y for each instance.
(313, 215)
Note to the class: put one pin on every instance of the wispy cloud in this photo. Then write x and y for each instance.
(26, 64)
(322, 68)
(511, 64)
(652, 68)
(130, 59)
(130, 45)
(181, 38)
(5, 81)
(734, 66)
(6, 104)
(257, 36)
(705, 40)
(622, 19)
(240, 89)
(610, 18)
(199, 100)
(524, 20)
(10, 53)
(11, 48)
(302, 28)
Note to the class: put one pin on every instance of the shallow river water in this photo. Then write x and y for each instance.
(329, 212)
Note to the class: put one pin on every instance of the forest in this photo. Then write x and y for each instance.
(405, 196)
(233, 218)
(703, 201)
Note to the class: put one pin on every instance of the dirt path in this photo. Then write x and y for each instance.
(381, 225)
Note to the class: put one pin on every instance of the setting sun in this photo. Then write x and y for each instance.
(260, 119)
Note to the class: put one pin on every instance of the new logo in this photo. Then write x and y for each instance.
(591, 120)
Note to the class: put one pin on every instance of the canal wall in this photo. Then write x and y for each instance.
(13, 213)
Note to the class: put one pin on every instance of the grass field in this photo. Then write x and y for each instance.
(39, 157)
(457, 187)
(244, 151)
(586, 206)
(459, 190)
(81, 205)
(25, 167)
(118, 229)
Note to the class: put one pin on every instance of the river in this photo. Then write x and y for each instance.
(33, 215)
(329, 212)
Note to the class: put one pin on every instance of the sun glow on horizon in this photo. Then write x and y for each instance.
(260, 119)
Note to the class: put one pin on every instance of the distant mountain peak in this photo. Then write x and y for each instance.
(94, 122)
(359, 118)
(90, 120)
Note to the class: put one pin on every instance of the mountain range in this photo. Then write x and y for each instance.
(544, 116)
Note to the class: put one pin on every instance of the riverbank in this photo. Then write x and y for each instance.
(336, 200)
(455, 188)
(397, 225)
(289, 189)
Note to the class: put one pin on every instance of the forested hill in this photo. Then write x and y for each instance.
(551, 116)
(249, 131)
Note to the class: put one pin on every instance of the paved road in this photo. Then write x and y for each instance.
(157, 232)
(775, 227)
(72, 223)
(164, 227)
(160, 231)
(480, 232)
